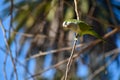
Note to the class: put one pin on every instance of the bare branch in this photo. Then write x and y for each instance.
(101, 22)
(77, 10)
(115, 52)
(53, 51)
(54, 66)
(111, 12)
(4, 67)
(28, 35)
(8, 49)
(70, 60)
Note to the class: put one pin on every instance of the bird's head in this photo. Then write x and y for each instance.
(69, 24)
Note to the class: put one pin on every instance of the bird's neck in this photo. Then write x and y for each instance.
(73, 27)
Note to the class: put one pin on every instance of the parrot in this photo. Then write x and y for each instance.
(80, 28)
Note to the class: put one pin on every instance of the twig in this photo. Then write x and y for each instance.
(4, 67)
(8, 49)
(92, 9)
(10, 28)
(70, 60)
(77, 10)
(54, 66)
(53, 51)
(99, 21)
(4, 64)
(111, 12)
(115, 52)
(21, 64)
(74, 45)
(29, 35)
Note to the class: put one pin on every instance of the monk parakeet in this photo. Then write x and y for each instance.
(80, 27)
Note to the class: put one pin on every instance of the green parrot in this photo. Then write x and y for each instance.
(80, 27)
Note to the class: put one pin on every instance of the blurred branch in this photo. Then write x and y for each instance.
(101, 22)
(67, 3)
(115, 52)
(54, 66)
(77, 10)
(28, 35)
(4, 67)
(53, 51)
(92, 9)
(70, 60)
(8, 49)
(21, 64)
(4, 64)
(111, 12)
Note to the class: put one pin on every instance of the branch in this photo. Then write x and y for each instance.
(74, 45)
(115, 52)
(8, 49)
(53, 51)
(77, 10)
(111, 12)
(4, 67)
(54, 66)
(101, 22)
(70, 60)
(29, 35)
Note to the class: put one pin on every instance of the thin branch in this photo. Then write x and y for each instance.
(53, 51)
(28, 35)
(92, 9)
(111, 12)
(4, 67)
(70, 60)
(10, 28)
(99, 21)
(74, 45)
(54, 66)
(77, 10)
(8, 49)
(20, 63)
(115, 52)
(4, 64)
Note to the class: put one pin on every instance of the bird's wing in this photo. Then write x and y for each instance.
(93, 33)
(84, 26)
